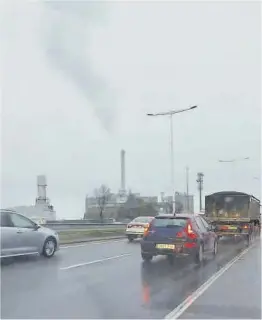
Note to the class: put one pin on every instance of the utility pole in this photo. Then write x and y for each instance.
(199, 180)
(187, 188)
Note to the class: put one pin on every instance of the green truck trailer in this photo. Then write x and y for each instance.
(233, 213)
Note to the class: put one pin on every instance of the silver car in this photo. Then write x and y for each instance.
(21, 236)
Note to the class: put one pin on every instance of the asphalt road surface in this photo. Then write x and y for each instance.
(102, 280)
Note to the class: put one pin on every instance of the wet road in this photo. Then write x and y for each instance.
(102, 280)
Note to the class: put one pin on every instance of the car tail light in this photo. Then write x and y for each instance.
(188, 232)
(146, 229)
(190, 245)
(245, 226)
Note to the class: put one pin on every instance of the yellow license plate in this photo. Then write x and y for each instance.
(165, 246)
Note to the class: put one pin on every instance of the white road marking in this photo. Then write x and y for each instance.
(95, 261)
(88, 243)
(180, 309)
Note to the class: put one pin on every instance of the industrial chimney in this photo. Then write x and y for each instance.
(41, 188)
(123, 171)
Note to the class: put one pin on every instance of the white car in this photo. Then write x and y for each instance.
(22, 236)
(135, 228)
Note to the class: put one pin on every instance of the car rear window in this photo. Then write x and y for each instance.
(142, 219)
(168, 222)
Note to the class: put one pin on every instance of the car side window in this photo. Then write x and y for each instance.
(5, 219)
(20, 221)
(200, 224)
(205, 223)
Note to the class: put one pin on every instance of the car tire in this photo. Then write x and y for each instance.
(146, 257)
(199, 256)
(215, 248)
(49, 247)
(130, 238)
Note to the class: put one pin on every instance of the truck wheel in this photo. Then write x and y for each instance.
(215, 248)
(249, 240)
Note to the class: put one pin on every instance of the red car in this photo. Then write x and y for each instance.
(179, 235)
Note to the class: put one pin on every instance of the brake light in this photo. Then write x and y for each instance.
(187, 232)
(190, 233)
(146, 229)
(245, 226)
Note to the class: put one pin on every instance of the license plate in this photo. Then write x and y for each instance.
(165, 246)
(225, 228)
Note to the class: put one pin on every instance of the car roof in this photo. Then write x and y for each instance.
(150, 217)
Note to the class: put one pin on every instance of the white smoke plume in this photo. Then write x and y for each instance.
(66, 43)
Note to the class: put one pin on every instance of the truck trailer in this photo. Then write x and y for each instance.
(233, 213)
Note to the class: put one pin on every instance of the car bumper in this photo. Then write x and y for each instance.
(135, 233)
(180, 249)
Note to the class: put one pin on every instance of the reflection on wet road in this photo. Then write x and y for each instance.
(103, 280)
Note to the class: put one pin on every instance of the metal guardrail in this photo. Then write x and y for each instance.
(76, 226)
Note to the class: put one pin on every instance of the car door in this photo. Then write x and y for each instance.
(27, 235)
(205, 234)
(9, 236)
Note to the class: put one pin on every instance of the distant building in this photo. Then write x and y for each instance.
(184, 203)
(42, 210)
(118, 201)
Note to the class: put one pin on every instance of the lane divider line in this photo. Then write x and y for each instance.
(96, 261)
(88, 243)
(182, 307)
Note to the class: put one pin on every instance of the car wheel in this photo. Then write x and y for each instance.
(130, 238)
(146, 257)
(49, 247)
(199, 255)
(215, 248)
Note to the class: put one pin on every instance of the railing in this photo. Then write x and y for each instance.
(58, 225)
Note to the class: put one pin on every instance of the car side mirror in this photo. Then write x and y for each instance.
(37, 226)
(211, 228)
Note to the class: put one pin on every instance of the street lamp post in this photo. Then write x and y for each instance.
(170, 115)
(233, 162)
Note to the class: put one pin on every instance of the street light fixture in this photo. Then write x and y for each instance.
(234, 161)
(170, 114)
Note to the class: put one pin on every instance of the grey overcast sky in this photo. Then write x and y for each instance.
(79, 78)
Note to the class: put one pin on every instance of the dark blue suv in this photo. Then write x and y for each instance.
(179, 235)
